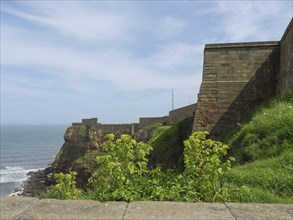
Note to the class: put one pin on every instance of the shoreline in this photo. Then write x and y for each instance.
(37, 182)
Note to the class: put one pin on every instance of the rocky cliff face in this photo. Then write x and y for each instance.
(82, 145)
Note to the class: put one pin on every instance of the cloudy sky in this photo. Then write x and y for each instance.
(117, 60)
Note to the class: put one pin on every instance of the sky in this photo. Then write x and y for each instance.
(62, 61)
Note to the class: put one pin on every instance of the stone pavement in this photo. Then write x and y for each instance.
(33, 208)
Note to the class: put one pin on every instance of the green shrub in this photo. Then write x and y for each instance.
(65, 187)
(204, 166)
(121, 169)
(122, 173)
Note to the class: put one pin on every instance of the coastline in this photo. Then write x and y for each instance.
(37, 182)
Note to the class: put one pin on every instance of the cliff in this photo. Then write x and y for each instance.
(82, 144)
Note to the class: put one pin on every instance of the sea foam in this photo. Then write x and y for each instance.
(14, 174)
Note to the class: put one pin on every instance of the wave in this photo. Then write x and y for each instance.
(14, 174)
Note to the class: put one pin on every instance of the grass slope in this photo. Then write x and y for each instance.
(268, 133)
(264, 147)
(168, 147)
(150, 132)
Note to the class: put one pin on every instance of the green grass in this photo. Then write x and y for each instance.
(263, 148)
(269, 180)
(168, 147)
(267, 134)
(158, 131)
(150, 132)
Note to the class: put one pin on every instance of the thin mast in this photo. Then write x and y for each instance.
(172, 99)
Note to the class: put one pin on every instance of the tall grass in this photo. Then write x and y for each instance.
(264, 144)
(268, 180)
(267, 134)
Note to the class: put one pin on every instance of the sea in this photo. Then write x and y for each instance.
(26, 148)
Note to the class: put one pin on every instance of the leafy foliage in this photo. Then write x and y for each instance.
(204, 168)
(65, 187)
(123, 175)
(121, 169)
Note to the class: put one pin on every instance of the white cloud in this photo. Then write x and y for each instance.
(76, 59)
(75, 20)
(25, 52)
(253, 20)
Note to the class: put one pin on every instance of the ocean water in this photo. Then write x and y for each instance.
(26, 148)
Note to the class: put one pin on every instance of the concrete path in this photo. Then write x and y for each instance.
(32, 208)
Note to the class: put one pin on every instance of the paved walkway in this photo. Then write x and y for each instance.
(32, 208)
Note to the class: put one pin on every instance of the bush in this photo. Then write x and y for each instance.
(204, 166)
(122, 170)
(65, 187)
(123, 175)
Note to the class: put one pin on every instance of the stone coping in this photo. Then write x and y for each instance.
(33, 208)
(242, 45)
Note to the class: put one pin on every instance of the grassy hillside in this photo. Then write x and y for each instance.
(150, 132)
(263, 172)
(168, 146)
(268, 133)
(265, 181)
(264, 147)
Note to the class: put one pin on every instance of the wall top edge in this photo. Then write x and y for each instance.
(290, 25)
(183, 107)
(242, 45)
(166, 116)
(119, 124)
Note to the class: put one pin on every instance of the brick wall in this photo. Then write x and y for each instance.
(236, 78)
(285, 76)
(181, 113)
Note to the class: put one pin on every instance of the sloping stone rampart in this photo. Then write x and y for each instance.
(239, 76)
(236, 78)
(180, 114)
(285, 76)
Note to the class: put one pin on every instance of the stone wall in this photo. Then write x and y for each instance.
(150, 120)
(87, 122)
(90, 122)
(179, 114)
(76, 124)
(285, 76)
(119, 128)
(239, 76)
(236, 78)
